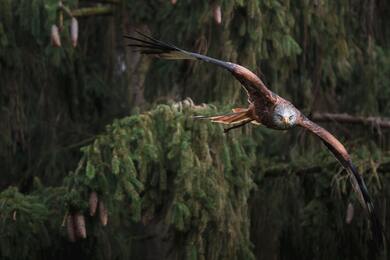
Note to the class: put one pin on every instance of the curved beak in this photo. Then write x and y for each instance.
(285, 120)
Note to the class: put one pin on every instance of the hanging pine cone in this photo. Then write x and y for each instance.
(103, 214)
(70, 228)
(147, 217)
(55, 36)
(217, 13)
(74, 31)
(350, 213)
(93, 202)
(79, 224)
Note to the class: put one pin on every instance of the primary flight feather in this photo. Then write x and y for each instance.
(268, 109)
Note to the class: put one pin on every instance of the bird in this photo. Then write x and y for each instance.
(268, 109)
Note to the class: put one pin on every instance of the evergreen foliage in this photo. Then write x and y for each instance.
(173, 186)
(191, 190)
(167, 168)
(29, 224)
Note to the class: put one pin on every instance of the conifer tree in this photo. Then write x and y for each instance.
(100, 160)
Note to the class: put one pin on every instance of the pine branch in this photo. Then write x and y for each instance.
(382, 168)
(115, 2)
(280, 172)
(65, 9)
(372, 121)
(95, 10)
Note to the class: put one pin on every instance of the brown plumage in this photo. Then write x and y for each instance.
(268, 109)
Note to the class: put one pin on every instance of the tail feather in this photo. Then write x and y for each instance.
(239, 115)
(239, 109)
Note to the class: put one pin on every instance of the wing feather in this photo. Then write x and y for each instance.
(358, 184)
(256, 89)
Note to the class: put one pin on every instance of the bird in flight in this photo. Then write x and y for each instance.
(268, 109)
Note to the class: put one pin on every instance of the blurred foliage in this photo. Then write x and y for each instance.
(182, 189)
(163, 167)
(176, 187)
(29, 224)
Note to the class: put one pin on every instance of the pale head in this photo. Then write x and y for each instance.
(285, 116)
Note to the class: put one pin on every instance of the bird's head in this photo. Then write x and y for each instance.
(285, 116)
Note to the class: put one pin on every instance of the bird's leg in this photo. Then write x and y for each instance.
(237, 126)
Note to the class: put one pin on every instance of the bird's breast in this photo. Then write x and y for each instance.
(267, 121)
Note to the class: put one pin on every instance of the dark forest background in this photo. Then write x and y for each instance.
(91, 121)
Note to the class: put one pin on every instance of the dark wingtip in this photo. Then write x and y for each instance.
(141, 33)
(149, 45)
(149, 37)
(377, 233)
(377, 229)
(200, 117)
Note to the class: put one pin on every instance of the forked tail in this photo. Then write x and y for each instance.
(238, 115)
(238, 118)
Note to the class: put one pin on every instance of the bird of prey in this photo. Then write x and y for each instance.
(268, 109)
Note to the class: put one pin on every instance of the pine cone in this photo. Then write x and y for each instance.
(173, 2)
(146, 218)
(103, 213)
(79, 224)
(93, 202)
(217, 13)
(350, 213)
(74, 31)
(70, 228)
(55, 36)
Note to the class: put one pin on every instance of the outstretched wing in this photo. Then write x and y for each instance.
(358, 184)
(256, 89)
